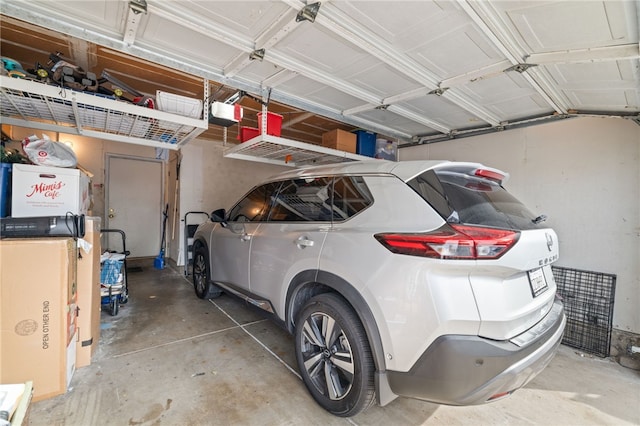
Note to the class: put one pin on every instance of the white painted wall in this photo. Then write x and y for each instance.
(91, 154)
(209, 181)
(583, 173)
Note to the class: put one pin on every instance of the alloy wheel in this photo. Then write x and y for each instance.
(327, 356)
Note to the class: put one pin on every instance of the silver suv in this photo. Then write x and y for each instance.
(424, 279)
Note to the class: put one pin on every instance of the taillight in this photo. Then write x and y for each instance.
(452, 242)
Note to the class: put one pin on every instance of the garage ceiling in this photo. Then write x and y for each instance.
(416, 71)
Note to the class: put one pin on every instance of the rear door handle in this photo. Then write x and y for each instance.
(303, 242)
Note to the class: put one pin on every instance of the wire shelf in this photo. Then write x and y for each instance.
(33, 104)
(286, 152)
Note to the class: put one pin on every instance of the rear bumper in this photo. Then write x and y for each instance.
(469, 370)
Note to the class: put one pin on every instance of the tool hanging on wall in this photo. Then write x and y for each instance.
(158, 262)
(175, 195)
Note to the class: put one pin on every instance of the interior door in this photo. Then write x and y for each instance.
(133, 204)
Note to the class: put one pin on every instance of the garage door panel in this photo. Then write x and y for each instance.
(507, 95)
(319, 93)
(442, 110)
(456, 53)
(544, 26)
(321, 49)
(389, 21)
(597, 85)
(390, 119)
(383, 81)
(99, 14)
(165, 35)
(247, 18)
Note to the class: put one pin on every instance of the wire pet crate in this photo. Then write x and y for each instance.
(588, 302)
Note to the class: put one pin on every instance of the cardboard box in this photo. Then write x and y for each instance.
(340, 139)
(38, 313)
(48, 191)
(89, 294)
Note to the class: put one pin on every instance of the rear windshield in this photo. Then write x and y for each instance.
(462, 198)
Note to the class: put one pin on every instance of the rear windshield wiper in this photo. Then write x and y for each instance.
(539, 219)
(453, 217)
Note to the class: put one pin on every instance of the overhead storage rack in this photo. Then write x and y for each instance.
(46, 107)
(266, 148)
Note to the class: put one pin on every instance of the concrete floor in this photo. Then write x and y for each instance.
(169, 358)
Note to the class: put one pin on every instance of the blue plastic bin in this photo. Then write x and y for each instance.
(365, 143)
(5, 189)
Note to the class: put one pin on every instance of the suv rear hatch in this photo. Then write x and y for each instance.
(505, 250)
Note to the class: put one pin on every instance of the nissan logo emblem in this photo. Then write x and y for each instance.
(549, 241)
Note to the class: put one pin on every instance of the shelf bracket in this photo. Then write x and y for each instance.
(76, 115)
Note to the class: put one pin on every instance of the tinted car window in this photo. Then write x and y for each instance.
(302, 200)
(320, 199)
(461, 198)
(350, 196)
(254, 207)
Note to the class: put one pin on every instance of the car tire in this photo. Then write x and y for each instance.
(201, 275)
(334, 356)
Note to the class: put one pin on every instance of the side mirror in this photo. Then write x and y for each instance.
(219, 217)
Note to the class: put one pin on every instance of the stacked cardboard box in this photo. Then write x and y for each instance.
(38, 313)
(89, 293)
